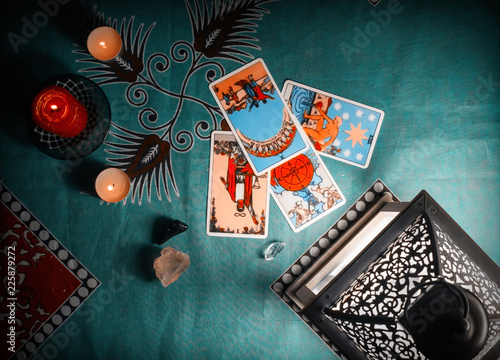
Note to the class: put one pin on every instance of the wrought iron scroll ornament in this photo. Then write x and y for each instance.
(220, 31)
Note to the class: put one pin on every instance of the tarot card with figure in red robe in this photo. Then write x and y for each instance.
(238, 199)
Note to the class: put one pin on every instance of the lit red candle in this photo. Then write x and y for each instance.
(112, 185)
(55, 110)
(104, 43)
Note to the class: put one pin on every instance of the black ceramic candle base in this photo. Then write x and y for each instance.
(94, 133)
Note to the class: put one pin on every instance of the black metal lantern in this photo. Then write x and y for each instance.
(446, 320)
(394, 280)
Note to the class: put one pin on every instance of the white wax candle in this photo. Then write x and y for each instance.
(112, 185)
(104, 43)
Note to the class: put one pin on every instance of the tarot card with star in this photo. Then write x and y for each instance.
(304, 190)
(258, 116)
(339, 128)
(238, 199)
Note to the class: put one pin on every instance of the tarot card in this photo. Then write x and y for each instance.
(304, 190)
(339, 128)
(259, 117)
(238, 199)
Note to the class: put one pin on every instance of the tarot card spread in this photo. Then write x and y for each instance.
(304, 190)
(258, 116)
(339, 128)
(238, 200)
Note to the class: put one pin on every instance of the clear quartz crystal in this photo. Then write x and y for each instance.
(170, 265)
(273, 250)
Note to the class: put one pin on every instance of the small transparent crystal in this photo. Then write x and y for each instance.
(273, 250)
(170, 265)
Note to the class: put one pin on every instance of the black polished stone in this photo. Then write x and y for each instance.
(173, 228)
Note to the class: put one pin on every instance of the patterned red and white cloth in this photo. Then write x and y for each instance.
(43, 284)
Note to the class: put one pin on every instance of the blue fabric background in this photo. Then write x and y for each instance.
(433, 67)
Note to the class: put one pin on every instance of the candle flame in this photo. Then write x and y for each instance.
(111, 187)
(54, 108)
(103, 44)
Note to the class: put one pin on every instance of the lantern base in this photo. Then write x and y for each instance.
(351, 286)
(95, 131)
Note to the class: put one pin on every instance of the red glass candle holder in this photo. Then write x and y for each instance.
(55, 110)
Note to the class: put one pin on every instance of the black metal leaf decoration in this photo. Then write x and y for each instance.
(219, 32)
(129, 64)
(145, 158)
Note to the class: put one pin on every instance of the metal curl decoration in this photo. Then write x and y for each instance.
(158, 65)
(180, 138)
(136, 96)
(219, 32)
(202, 126)
(181, 55)
(152, 117)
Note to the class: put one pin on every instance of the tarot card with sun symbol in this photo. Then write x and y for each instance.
(304, 190)
(339, 128)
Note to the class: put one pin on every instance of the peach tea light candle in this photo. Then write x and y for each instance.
(112, 185)
(104, 43)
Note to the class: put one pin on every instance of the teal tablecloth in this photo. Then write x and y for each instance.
(433, 67)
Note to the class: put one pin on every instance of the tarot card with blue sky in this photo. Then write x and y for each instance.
(304, 190)
(258, 116)
(339, 128)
